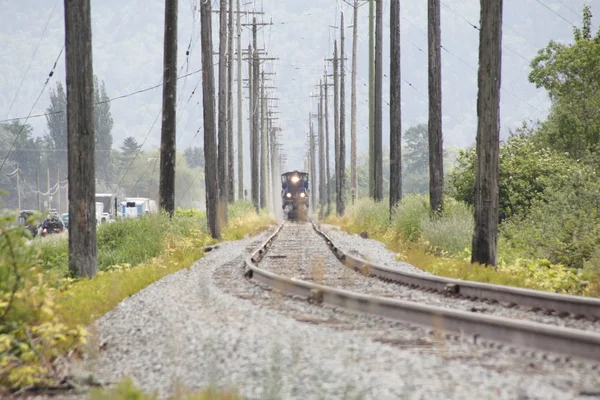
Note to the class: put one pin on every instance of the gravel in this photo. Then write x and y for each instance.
(209, 325)
(374, 251)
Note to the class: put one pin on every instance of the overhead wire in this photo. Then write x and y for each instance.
(32, 58)
(32, 107)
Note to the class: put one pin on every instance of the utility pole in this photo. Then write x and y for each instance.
(230, 155)
(50, 196)
(436, 151)
(222, 127)
(37, 186)
(169, 125)
(240, 133)
(327, 146)
(81, 138)
(395, 108)
(353, 149)
(341, 206)
(485, 235)
(378, 149)
(336, 123)
(57, 191)
(251, 120)
(313, 172)
(255, 131)
(210, 140)
(263, 145)
(322, 182)
(372, 99)
(18, 188)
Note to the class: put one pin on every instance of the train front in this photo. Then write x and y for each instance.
(295, 195)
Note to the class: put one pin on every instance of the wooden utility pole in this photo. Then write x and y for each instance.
(436, 151)
(313, 170)
(210, 139)
(341, 202)
(378, 125)
(336, 123)
(37, 184)
(19, 188)
(50, 196)
(240, 147)
(222, 127)
(81, 138)
(322, 182)
(395, 108)
(353, 149)
(327, 147)
(485, 235)
(57, 191)
(263, 145)
(169, 125)
(251, 120)
(255, 116)
(230, 155)
(371, 99)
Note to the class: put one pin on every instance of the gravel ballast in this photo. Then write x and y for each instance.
(209, 325)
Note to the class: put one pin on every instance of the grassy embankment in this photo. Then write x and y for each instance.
(43, 312)
(442, 246)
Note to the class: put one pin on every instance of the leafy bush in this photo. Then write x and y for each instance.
(565, 228)
(528, 173)
(32, 336)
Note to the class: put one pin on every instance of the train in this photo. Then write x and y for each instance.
(294, 195)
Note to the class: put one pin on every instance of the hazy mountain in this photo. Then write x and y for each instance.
(127, 51)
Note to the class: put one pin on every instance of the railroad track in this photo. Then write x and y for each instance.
(552, 303)
(453, 323)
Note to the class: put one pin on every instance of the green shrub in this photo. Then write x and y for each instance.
(451, 232)
(565, 228)
(528, 172)
(409, 215)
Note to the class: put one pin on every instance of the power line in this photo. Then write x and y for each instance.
(105, 101)
(31, 60)
(32, 107)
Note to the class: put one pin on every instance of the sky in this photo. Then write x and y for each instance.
(128, 51)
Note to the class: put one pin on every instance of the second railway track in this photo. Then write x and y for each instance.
(297, 261)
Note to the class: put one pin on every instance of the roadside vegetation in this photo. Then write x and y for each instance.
(44, 311)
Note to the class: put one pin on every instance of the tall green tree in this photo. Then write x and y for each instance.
(194, 156)
(570, 75)
(56, 137)
(103, 124)
(129, 149)
(416, 149)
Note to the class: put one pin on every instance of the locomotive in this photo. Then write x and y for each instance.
(294, 195)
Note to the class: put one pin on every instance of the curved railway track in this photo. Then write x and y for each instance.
(453, 322)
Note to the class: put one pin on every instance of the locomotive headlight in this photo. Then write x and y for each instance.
(288, 195)
(295, 179)
(302, 194)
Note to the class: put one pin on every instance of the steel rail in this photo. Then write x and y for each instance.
(562, 304)
(567, 341)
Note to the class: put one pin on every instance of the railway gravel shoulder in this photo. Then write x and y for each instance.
(210, 325)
